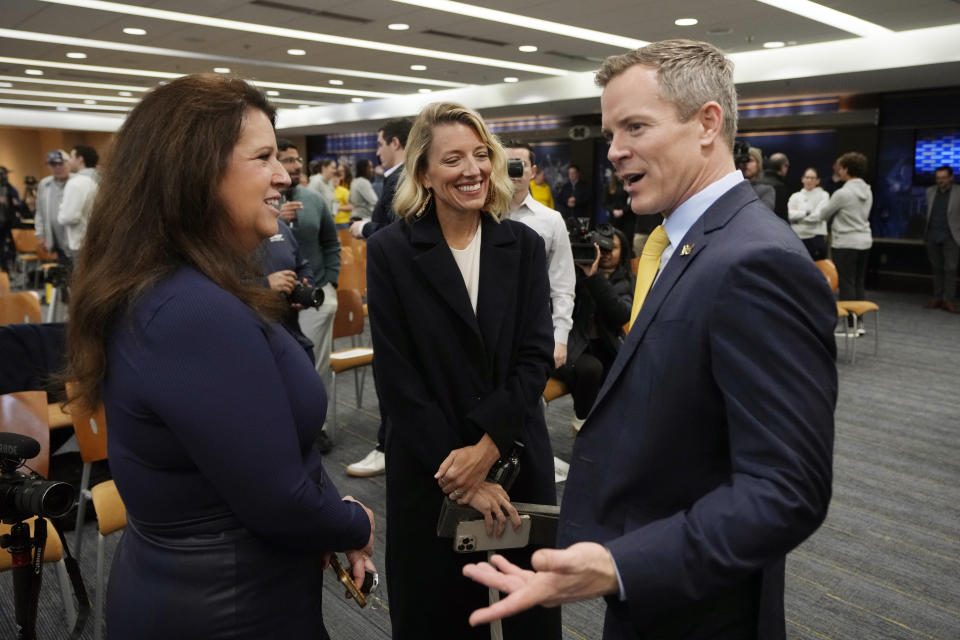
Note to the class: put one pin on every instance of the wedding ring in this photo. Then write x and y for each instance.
(457, 493)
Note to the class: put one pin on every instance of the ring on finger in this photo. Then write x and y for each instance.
(457, 493)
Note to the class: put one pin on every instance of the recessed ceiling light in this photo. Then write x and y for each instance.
(296, 52)
(418, 67)
(76, 55)
(775, 44)
(33, 72)
(335, 82)
(6, 84)
(221, 69)
(88, 101)
(273, 93)
(356, 99)
(425, 90)
(398, 26)
(62, 109)
(685, 22)
(125, 94)
(527, 48)
(135, 31)
(511, 79)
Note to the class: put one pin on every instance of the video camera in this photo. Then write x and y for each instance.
(582, 239)
(741, 152)
(24, 496)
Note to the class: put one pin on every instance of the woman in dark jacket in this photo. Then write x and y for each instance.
(604, 295)
(460, 318)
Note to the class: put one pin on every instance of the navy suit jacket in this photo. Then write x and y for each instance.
(708, 453)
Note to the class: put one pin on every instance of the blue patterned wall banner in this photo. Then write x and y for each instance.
(937, 148)
(791, 107)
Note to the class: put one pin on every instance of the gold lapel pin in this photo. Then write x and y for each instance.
(687, 248)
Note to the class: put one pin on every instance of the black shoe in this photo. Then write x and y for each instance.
(323, 443)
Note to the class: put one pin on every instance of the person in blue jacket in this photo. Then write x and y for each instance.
(212, 407)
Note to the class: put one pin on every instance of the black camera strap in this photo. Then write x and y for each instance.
(76, 582)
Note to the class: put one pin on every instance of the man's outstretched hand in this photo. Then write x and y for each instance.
(580, 572)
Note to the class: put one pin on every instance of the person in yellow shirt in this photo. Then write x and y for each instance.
(341, 192)
(540, 190)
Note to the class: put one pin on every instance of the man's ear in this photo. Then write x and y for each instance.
(711, 118)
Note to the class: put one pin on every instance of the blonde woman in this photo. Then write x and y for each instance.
(460, 316)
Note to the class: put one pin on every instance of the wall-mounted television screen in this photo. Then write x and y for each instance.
(935, 148)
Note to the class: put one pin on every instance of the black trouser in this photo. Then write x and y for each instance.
(583, 378)
(944, 257)
(816, 246)
(852, 272)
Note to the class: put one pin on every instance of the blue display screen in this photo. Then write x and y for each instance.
(936, 148)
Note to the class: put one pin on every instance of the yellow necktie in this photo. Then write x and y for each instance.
(648, 268)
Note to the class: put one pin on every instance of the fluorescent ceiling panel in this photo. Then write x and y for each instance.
(74, 83)
(525, 22)
(828, 16)
(297, 34)
(170, 76)
(70, 105)
(72, 96)
(194, 55)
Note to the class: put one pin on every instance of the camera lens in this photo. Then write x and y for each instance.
(40, 497)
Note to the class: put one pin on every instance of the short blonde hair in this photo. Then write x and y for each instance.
(689, 74)
(412, 195)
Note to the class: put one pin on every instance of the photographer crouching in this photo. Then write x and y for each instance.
(604, 295)
(289, 274)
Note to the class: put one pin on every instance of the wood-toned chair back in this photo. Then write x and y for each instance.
(25, 240)
(349, 318)
(91, 430)
(634, 265)
(829, 271)
(353, 272)
(16, 308)
(4, 283)
(25, 412)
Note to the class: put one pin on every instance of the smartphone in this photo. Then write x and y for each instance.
(472, 536)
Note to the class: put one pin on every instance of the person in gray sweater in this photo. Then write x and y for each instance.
(848, 210)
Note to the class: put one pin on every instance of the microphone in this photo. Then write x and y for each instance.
(17, 446)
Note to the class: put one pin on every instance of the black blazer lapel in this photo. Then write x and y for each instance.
(499, 264)
(438, 267)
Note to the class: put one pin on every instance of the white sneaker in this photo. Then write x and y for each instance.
(373, 465)
(560, 469)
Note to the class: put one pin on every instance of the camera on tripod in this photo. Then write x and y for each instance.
(582, 239)
(23, 496)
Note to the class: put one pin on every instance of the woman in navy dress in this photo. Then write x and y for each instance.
(212, 407)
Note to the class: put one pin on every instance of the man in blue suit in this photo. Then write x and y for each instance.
(707, 455)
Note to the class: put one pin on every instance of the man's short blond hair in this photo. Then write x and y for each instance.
(689, 73)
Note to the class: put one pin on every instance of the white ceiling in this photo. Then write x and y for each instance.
(818, 59)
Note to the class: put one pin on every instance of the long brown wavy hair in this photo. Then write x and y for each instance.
(158, 209)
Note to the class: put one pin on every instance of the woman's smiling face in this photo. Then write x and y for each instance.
(458, 168)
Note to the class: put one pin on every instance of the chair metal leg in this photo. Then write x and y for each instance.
(856, 327)
(81, 508)
(65, 596)
(876, 333)
(332, 424)
(98, 598)
(357, 388)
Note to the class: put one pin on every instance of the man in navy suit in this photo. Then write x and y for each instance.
(707, 455)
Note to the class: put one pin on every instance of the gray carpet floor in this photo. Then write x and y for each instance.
(885, 565)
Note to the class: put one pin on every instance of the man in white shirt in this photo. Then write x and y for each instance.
(551, 227)
(322, 183)
(79, 194)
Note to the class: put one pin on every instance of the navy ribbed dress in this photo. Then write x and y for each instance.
(212, 415)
